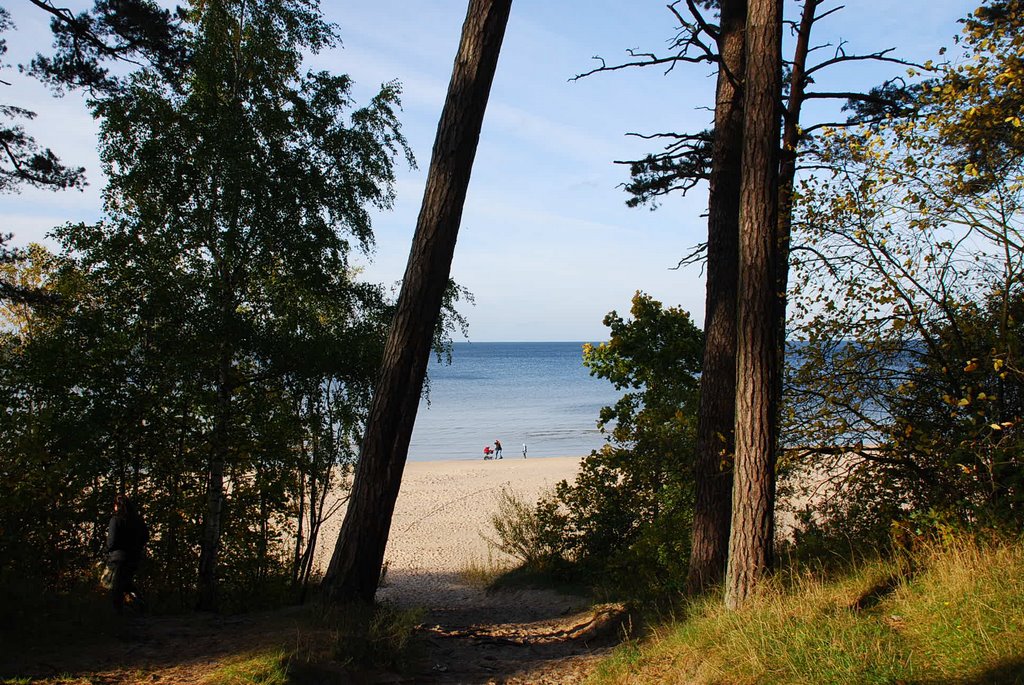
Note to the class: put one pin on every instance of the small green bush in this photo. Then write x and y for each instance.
(529, 532)
(624, 523)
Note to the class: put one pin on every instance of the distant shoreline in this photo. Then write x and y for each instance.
(506, 454)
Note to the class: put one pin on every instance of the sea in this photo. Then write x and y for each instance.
(533, 393)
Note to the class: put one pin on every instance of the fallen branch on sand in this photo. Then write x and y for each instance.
(602, 620)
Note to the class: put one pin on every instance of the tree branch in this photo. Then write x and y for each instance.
(880, 56)
(687, 37)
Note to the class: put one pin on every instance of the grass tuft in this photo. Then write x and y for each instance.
(357, 636)
(484, 573)
(264, 668)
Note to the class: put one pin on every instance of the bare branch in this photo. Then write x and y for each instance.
(652, 60)
(697, 255)
(880, 56)
(677, 136)
(825, 260)
(842, 125)
(687, 38)
(835, 9)
(851, 95)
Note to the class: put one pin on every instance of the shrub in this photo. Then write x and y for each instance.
(625, 521)
(527, 532)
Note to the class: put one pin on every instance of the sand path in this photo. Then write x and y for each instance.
(441, 525)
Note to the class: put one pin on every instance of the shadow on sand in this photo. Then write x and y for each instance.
(517, 635)
(467, 635)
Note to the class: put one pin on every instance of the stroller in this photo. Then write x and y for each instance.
(488, 452)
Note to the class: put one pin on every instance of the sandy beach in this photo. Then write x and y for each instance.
(442, 521)
(517, 636)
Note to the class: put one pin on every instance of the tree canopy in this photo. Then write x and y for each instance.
(908, 290)
(220, 350)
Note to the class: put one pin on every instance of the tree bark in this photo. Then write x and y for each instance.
(713, 466)
(355, 566)
(219, 446)
(756, 427)
(791, 137)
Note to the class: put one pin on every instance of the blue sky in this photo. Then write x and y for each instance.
(547, 245)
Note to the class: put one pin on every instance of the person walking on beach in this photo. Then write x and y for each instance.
(524, 450)
(497, 449)
(127, 536)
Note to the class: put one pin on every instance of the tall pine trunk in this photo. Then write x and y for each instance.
(756, 427)
(355, 566)
(713, 467)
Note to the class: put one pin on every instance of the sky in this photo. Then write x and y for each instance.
(547, 245)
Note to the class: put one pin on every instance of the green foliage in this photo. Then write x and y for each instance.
(529, 532)
(906, 395)
(211, 322)
(128, 32)
(959, 417)
(24, 162)
(210, 327)
(946, 613)
(626, 518)
(976, 108)
(44, 525)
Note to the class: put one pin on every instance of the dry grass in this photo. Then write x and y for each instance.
(947, 613)
(482, 573)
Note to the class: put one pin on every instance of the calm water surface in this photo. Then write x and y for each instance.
(537, 393)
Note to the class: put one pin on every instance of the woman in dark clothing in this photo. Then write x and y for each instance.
(126, 539)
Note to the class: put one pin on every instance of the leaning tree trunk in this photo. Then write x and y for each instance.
(355, 566)
(756, 428)
(713, 467)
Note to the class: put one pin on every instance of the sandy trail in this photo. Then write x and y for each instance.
(441, 525)
(442, 521)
